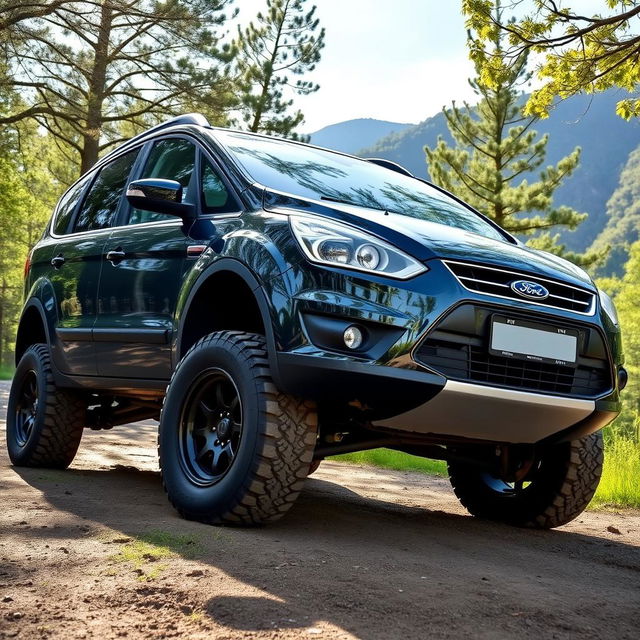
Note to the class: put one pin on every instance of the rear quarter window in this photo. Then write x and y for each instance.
(101, 204)
(67, 206)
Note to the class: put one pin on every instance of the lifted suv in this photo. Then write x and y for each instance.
(290, 303)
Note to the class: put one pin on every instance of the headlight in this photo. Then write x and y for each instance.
(609, 307)
(339, 245)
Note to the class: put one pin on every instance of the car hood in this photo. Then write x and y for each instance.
(429, 240)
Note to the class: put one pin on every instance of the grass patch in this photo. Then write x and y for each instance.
(389, 459)
(620, 483)
(146, 551)
(619, 486)
(6, 373)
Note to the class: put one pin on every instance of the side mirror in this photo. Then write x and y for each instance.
(159, 196)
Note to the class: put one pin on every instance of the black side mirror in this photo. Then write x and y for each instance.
(159, 196)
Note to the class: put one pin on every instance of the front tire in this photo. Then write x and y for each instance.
(44, 422)
(232, 448)
(558, 488)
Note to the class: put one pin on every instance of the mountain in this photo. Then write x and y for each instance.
(352, 135)
(589, 122)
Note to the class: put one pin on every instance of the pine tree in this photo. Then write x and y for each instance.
(496, 151)
(89, 66)
(285, 41)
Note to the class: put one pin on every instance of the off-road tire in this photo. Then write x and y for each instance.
(58, 421)
(315, 465)
(560, 490)
(276, 447)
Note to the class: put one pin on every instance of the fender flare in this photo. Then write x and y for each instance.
(240, 269)
(32, 303)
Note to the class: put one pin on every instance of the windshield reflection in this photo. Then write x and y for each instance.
(316, 173)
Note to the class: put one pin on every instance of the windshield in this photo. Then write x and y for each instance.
(315, 173)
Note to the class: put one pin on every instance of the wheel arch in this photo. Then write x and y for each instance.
(33, 328)
(251, 311)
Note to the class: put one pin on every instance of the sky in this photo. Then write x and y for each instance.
(397, 60)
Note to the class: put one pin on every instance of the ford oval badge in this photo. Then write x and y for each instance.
(528, 289)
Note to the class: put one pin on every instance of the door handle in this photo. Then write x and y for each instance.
(116, 255)
(57, 261)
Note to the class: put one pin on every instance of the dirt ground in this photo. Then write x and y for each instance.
(363, 554)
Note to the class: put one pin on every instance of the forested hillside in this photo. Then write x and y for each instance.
(622, 226)
(589, 122)
(352, 135)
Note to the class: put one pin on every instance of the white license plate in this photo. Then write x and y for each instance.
(525, 340)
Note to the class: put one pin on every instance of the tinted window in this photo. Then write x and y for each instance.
(101, 204)
(172, 159)
(315, 173)
(215, 196)
(67, 206)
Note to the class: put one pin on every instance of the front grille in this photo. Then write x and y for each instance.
(497, 282)
(458, 348)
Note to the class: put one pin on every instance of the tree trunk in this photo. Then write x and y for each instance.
(93, 129)
(257, 117)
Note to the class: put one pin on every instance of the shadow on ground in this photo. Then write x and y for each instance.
(377, 569)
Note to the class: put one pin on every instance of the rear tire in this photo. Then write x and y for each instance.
(559, 488)
(44, 422)
(232, 448)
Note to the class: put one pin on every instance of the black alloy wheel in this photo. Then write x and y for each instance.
(44, 421)
(210, 427)
(26, 407)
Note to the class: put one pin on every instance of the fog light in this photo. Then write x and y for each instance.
(353, 337)
(623, 378)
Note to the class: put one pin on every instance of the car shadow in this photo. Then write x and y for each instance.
(371, 553)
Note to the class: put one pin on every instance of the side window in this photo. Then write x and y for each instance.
(215, 196)
(67, 206)
(171, 159)
(101, 204)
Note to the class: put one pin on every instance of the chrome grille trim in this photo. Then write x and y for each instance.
(554, 301)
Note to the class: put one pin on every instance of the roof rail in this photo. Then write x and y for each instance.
(187, 118)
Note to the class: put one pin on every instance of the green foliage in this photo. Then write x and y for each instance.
(623, 218)
(581, 53)
(86, 68)
(27, 194)
(619, 486)
(626, 293)
(389, 459)
(284, 41)
(494, 146)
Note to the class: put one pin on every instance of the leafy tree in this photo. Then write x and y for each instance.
(582, 53)
(626, 293)
(622, 228)
(496, 149)
(285, 41)
(89, 66)
(27, 194)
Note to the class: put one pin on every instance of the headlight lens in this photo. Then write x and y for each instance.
(339, 245)
(609, 307)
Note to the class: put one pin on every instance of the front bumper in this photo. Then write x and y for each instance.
(395, 390)
(471, 411)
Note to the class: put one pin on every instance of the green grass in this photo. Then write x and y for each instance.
(620, 483)
(395, 460)
(619, 486)
(6, 373)
(145, 552)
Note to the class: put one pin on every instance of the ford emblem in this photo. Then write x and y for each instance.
(528, 289)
